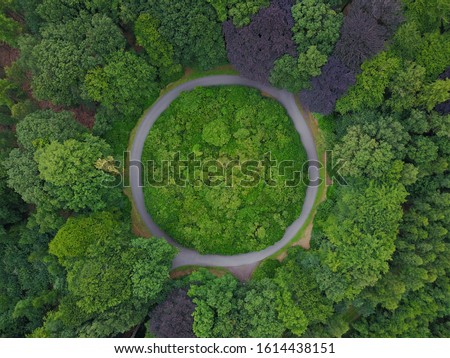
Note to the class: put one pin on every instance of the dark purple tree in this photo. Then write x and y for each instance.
(361, 38)
(173, 317)
(327, 88)
(444, 108)
(254, 49)
(364, 32)
(388, 13)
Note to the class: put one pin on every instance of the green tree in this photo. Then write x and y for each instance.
(371, 83)
(191, 27)
(67, 52)
(69, 169)
(301, 302)
(435, 93)
(431, 15)
(126, 84)
(295, 74)
(28, 287)
(225, 308)
(108, 272)
(316, 24)
(9, 29)
(159, 50)
(215, 313)
(434, 53)
(239, 11)
(405, 87)
(42, 127)
(357, 239)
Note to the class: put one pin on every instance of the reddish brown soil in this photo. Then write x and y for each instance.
(8, 55)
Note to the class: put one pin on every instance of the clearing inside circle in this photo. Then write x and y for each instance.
(224, 170)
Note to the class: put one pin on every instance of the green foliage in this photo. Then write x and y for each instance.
(231, 211)
(42, 127)
(286, 73)
(28, 290)
(159, 50)
(224, 308)
(431, 15)
(9, 29)
(126, 84)
(315, 33)
(191, 27)
(295, 74)
(69, 168)
(107, 271)
(266, 269)
(405, 87)
(358, 239)
(301, 302)
(310, 62)
(240, 11)
(371, 146)
(371, 84)
(316, 24)
(434, 54)
(5, 88)
(435, 93)
(67, 52)
(413, 317)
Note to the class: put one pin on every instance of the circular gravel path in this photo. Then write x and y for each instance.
(188, 257)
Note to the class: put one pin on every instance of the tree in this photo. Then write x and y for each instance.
(191, 27)
(371, 84)
(406, 41)
(239, 11)
(310, 63)
(294, 74)
(67, 52)
(42, 127)
(363, 155)
(328, 87)
(388, 13)
(9, 29)
(222, 208)
(430, 15)
(405, 87)
(159, 50)
(28, 288)
(224, 308)
(23, 175)
(357, 239)
(69, 169)
(316, 24)
(434, 54)
(173, 317)
(371, 145)
(361, 38)
(254, 49)
(215, 312)
(301, 302)
(108, 271)
(435, 93)
(258, 314)
(126, 84)
(287, 74)
(412, 318)
(444, 108)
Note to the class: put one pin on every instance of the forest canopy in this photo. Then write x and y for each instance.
(234, 203)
